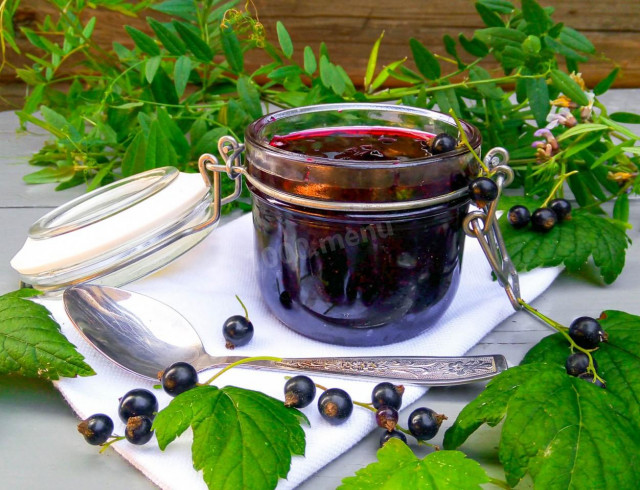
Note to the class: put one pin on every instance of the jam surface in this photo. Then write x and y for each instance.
(358, 143)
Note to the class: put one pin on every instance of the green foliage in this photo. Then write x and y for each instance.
(193, 68)
(31, 343)
(241, 438)
(398, 467)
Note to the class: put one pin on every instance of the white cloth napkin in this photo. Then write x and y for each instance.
(201, 285)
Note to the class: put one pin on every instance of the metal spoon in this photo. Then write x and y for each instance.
(145, 336)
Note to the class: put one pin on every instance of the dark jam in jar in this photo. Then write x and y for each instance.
(358, 278)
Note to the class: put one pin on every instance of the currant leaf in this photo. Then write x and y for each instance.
(565, 432)
(571, 243)
(618, 359)
(241, 438)
(31, 343)
(398, 467)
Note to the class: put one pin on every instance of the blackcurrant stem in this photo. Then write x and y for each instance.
(561, 180)
(465, 140)
(499, 483)
(106, 445)
(237, 363)
(246, 313)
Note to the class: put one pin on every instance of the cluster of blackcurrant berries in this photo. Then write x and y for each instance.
(542, 219)
(335, 406)
(137, 409)
(237, 329)
(587, 333)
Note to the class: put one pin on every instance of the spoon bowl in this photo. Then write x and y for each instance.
(145, 336)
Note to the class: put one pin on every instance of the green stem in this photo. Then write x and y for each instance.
(499, 483)
(237, 363)
(106, 445)
(561, 180)
(246, 313)
(465, 140)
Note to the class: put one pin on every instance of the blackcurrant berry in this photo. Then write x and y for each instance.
(394, 434)
(591, 379)
(483, 190)
(335, 406)
(587, 332)
(561, 207)
(387, 418)
(237, 331)
(424, 423)
(285, 299)
(443, 143)
(519, 216)
(387, 394)
(299, 392)
(178, 378)
(578, 363)
(543, 220)
(96, 429)
(138, 430)
(137, 402)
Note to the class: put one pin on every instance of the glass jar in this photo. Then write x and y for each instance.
(358, 252)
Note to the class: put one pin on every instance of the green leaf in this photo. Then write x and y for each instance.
(500, 6)
(450, 47)
(145, 43)
(489, 90)
(175, 135)
(249, 97)
(185, 9)
(310, 64)
(58, 121)
(181, 72)
(570, 88)
(194, 43)
(573, 39)
(499, 37)
(398, 467)
(426, 62)
(555, 427)
(151, 67)
(89, 27)
(232, 50)
(284, 39)
(474, 46)
(241, 438)
(163, 88)
(446, 100)
(581, 129)
(488, 16)
(134, 156)
(605, 84)
(563, 50)
(373, 61)
(50, 174)
(538, 94)
(625, 117)
(208, 142)
(169, 40)
(571, 243)
(537, 19)
(31, 343)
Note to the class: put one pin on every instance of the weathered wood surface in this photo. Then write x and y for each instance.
(350, 28)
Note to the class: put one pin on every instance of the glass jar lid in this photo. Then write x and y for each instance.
(117, 233)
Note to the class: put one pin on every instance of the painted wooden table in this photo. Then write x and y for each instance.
(40, 447)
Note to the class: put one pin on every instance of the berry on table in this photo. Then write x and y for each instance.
(562, 208)
(237, 330)
(299, 392)
(178, 378)
(483, 190)
(543, 219)
(387, 394)
(137, 402)
(387, 417)
(587, 332)
(519, 216)
(394, 434)
(138, 430)
(578, 363)
(96, 429)
(335, 406)
(424, 423)
(443, 143)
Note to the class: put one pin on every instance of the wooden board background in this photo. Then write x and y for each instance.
(350, 27)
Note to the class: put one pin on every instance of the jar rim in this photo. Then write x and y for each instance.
(252, 134)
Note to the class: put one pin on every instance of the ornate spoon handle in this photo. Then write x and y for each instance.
(425, 371)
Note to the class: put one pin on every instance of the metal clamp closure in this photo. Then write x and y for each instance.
(483, 225)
